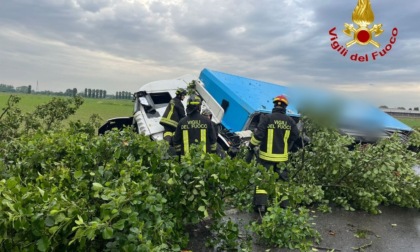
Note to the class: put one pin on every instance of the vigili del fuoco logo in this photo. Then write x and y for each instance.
(362, 34)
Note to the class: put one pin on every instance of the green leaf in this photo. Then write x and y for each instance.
(43, 244)
(119, 225)
(97, 186)
(126, 210)
(6, 196)
(41, 191)
(158, 208)
(90, 233)
(296, 230)
(107, 233)
(215, 176)
(170, 181)
(49, 221)
(52, 230)
(202, 208)
(79, 221)
(59, 218)
(54, 212)
(11, 183)
(78, 174)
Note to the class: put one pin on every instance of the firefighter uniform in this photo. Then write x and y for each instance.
(174, 112)
(193, 129)
(275, 135)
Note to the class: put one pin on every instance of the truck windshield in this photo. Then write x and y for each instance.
(160, 98)
(154, 104)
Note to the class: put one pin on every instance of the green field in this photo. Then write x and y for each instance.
(412, 122)
(109, 108)
(105, 108)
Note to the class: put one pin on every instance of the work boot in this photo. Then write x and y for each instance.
(260, 200)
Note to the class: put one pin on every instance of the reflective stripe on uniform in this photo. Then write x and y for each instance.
(286, 142)
(254, 141)
(270, 141)
(203, 134)
(186, 141)
(168, 133)
(275, 157)
(169, 122)
(260, 191)
(171, 111)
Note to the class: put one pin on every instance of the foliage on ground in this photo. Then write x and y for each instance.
(359, 176)
(67, 189)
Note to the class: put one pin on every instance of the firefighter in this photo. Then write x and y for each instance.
(275, 135)
(194, 129)
(174, 112)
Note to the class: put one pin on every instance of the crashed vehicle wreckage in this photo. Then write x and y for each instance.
(238, 102)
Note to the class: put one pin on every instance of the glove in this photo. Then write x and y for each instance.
(251, 148)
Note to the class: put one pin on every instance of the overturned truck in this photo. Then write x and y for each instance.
(238, 102)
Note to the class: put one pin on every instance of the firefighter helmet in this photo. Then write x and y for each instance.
(281, 99)
(193, 104)
(181, 91)
(194, 101)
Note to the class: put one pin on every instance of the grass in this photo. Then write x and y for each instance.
(109, 108)
(105, 108)
(412, 122)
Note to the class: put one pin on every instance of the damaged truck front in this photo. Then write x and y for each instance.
(151, 101)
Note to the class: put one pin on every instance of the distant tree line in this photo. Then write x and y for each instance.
(88, 92)
(123, 95)
(399, 108)
(12, 89)
(95, 93)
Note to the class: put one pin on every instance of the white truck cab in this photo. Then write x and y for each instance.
(152, 99)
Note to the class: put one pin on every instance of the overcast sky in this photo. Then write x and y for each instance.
(118, 45)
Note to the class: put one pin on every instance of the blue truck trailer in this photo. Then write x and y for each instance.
(244, 100)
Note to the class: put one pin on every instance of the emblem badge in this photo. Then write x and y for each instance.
(363, 16)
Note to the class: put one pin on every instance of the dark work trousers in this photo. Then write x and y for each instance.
(283, 175)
